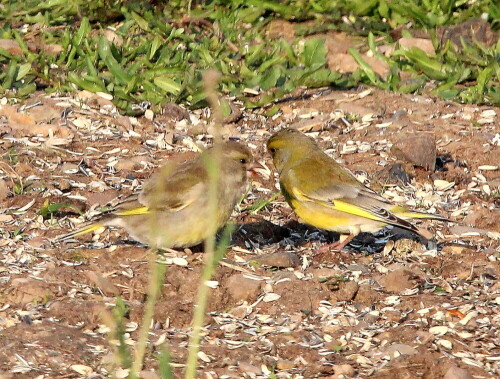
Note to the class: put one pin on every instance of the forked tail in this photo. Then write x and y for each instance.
(78, 232)
(407, 214)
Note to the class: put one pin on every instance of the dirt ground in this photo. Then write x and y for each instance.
(389, 305)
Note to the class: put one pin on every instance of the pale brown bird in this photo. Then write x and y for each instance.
(173, 209)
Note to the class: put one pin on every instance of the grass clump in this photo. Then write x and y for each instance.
(155, 52)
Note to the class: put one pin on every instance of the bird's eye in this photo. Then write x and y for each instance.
(272, 150)
(243, 161)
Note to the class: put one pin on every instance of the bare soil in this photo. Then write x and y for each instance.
(389, 305)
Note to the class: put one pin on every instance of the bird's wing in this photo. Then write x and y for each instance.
(173, 188)
(344, 194)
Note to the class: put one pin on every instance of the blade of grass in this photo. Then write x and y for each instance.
(366, 68)
(157, 272)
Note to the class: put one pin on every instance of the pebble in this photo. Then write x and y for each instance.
(324, 273)
(12, 46)
(82, 369)
(455, 372)
(358, 267)
(397, 349)
(134, 163)
(249, 368)
(424, 44)
(104, 284)
(283, 364)
(240, 311)
(281, 260)
(346, 370)
(4, 189)
(418, 149)
(397, 281)
(149, 114)
(243, 288)
(347, 291)
(145, 374)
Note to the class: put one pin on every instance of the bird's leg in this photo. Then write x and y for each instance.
(337, 245)
(343, 241)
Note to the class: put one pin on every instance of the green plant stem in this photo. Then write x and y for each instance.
(210, 79)
(208, 270)
(155, 283)
(199, 314)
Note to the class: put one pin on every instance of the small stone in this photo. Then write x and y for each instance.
(281, 260)
(149, 114)
(474, 29)
(283, 364)
(398, 349)
(240, 311)
(82, 369)
(105, 285)
(52, 49)
(174, 112)
(358, 267)
(243, 288)
(4, 189)
(488, 168)
(424, 337)
(6, 218)
(418, 149)
(148, 375)
(393, 174)
(455, 372)
(131, 164)
(346, 370)
(323, 274)
(366, 295)
(122, 373)
(112, 37)
(346, 292)
(11, 46)
(421, 43)
(397, 281)
(249, 368)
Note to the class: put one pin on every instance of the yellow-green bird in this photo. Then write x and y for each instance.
(327, 196)
(173, 209)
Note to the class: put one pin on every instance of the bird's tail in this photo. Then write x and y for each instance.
(408, 214)
(78, 232)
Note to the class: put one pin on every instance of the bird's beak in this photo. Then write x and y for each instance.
(252, 171)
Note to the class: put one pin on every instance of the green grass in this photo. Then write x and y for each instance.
(162, 53)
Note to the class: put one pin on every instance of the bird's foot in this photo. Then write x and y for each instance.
(337, 246)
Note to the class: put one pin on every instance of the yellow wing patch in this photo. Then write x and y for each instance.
(86, 229)
(133, 211)
(354, 210)
(340, 206)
